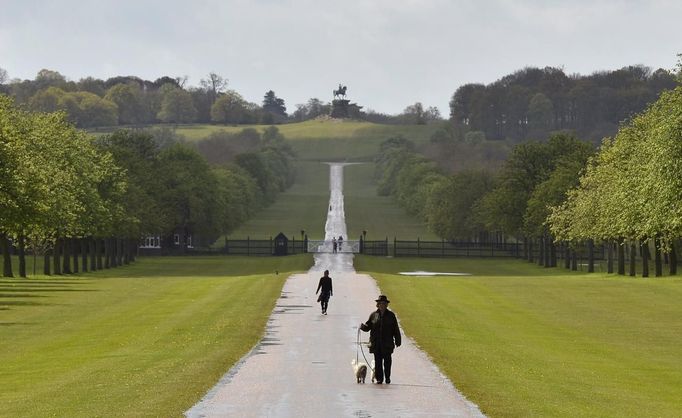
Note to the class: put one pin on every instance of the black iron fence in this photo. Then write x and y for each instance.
(443, 248)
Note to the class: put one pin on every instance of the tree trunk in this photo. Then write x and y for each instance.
(590, 256)
(120, 245)
(66, 253)
(22, 255)
(567, 256)
(107, 253)
(46, 263)
(56, 257)
(126, 251)
(530, 250)
(609, 257)
(673, 259)
(621, 257)
(633, 259)
(98, 253)
(133, 249)
(113, 242)
(658, 266)
(92, 249)
(74, 251)
(6, 256)
(84, 253)
(644, 245)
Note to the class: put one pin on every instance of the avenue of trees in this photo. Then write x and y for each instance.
(630, 193)
(560, 195)
(64, 194)
(533, 102)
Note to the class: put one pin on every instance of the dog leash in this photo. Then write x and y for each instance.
(357, 358)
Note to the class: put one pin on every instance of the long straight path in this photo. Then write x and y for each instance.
(302, 366)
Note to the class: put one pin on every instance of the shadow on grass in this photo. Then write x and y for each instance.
(206, 266)
(42, 289)
(19, 295)
(20, 303)
(29, 292)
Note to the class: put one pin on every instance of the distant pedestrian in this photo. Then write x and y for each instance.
(334, 245)
(326, 286)
(383, 332)
(340, 241)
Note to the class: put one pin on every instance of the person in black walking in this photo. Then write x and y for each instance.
(326, 286)
(384, 336)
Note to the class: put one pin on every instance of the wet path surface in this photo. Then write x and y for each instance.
(302, 366)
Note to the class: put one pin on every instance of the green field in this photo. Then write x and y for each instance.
(380, 216)
(520, 340)
(304, 207)
(321, 140)
(145, 340)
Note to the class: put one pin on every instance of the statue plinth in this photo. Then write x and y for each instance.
(344, 109)
(340, 109)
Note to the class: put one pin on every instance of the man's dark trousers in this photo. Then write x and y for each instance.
(382, 366)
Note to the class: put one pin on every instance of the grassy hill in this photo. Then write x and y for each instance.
(320, 139)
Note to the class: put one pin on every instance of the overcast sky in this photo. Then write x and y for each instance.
(390, 53)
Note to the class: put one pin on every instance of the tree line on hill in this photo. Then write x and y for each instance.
(130, 100)
(559, 194)
(64, 193)
(533, 102)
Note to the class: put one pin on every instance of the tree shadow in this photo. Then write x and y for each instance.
(20, 303)
(20, 295)
(43, 289)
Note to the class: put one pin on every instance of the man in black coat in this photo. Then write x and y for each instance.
(383, 331)
(326, 285)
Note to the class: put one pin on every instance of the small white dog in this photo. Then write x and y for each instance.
(360, 370)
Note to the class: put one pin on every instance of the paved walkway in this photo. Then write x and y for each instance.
(302, 366)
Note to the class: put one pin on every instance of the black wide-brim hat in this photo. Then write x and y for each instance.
(383, 298)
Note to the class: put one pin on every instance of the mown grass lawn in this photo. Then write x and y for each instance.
(520, 340)
(304, 206)
(318, 139)
(149, 339)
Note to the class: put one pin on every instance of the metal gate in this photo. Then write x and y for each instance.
(326, 246)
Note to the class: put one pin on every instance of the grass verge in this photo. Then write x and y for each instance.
(145, 340)
(519, 340)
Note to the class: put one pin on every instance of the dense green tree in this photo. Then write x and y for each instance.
(274, 105)
(229, 108)
(188, 193)
(177, 107)
(128, 99)
(257, 166)
(592, 105)
(451, 205)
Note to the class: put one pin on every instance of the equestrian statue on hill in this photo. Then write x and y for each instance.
(341, 92)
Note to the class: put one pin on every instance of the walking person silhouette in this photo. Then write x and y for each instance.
(326, 286)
